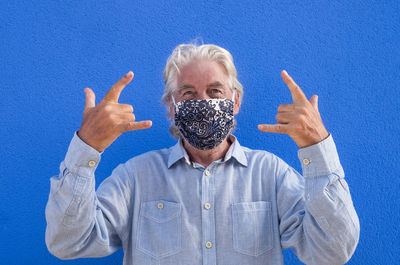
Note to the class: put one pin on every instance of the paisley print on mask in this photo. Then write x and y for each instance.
(204, 123)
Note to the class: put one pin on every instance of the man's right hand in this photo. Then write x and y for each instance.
(104, 123)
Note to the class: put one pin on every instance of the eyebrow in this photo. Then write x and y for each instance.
(215, 84)
(185, 87)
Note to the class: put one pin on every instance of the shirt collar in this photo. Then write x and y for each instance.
(177, 153)
(235, 151)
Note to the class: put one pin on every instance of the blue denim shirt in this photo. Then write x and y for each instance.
(241, 210)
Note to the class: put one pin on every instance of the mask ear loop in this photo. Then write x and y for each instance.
(173, 99)
(174, 108)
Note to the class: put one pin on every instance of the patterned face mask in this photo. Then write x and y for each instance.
(205, 123)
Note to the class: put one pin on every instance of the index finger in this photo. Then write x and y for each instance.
(114, 92)
(295, 90)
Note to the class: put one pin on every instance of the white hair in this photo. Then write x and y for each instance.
(186, 53)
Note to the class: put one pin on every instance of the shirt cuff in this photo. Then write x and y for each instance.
(320, 159)
(81, 158)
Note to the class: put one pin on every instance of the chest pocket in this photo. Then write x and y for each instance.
(252, 227)
(159, 230)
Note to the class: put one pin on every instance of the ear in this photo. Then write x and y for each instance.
(236, 107)
(171, 107)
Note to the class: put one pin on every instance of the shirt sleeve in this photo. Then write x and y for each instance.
(317, 217)
(81, 222)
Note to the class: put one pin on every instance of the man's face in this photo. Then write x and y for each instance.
(203, 79)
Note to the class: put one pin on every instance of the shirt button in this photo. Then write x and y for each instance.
(207, 206)
(78, 199)
(92, 163)
(207, 173)
(306, 161)
(160, 205)
(208, 244)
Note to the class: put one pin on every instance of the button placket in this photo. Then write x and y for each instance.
(208, 216)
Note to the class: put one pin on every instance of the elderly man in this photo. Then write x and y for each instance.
(206, 200)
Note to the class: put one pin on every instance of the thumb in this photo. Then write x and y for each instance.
(90, 100)
(314, 102)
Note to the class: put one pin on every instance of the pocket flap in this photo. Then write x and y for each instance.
(160, 211)
(252, 206)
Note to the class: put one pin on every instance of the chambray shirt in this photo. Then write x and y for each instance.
(243, 209)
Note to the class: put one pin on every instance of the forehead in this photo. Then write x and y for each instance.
(200, 71)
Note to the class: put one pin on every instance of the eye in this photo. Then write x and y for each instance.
(216, 91)
(188, 93)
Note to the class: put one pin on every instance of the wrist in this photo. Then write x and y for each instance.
(85, 139)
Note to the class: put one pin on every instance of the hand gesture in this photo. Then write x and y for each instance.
(104, 123)
(300, 120)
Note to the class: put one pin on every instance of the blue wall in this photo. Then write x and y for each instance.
(347, 52)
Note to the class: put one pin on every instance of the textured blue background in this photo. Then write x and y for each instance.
(347, 52)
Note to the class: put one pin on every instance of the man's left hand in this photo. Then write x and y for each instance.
(300, 120)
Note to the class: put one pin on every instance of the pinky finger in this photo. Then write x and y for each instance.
(138, 125)
(274, 128)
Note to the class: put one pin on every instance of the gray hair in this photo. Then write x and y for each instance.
(186, 53)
